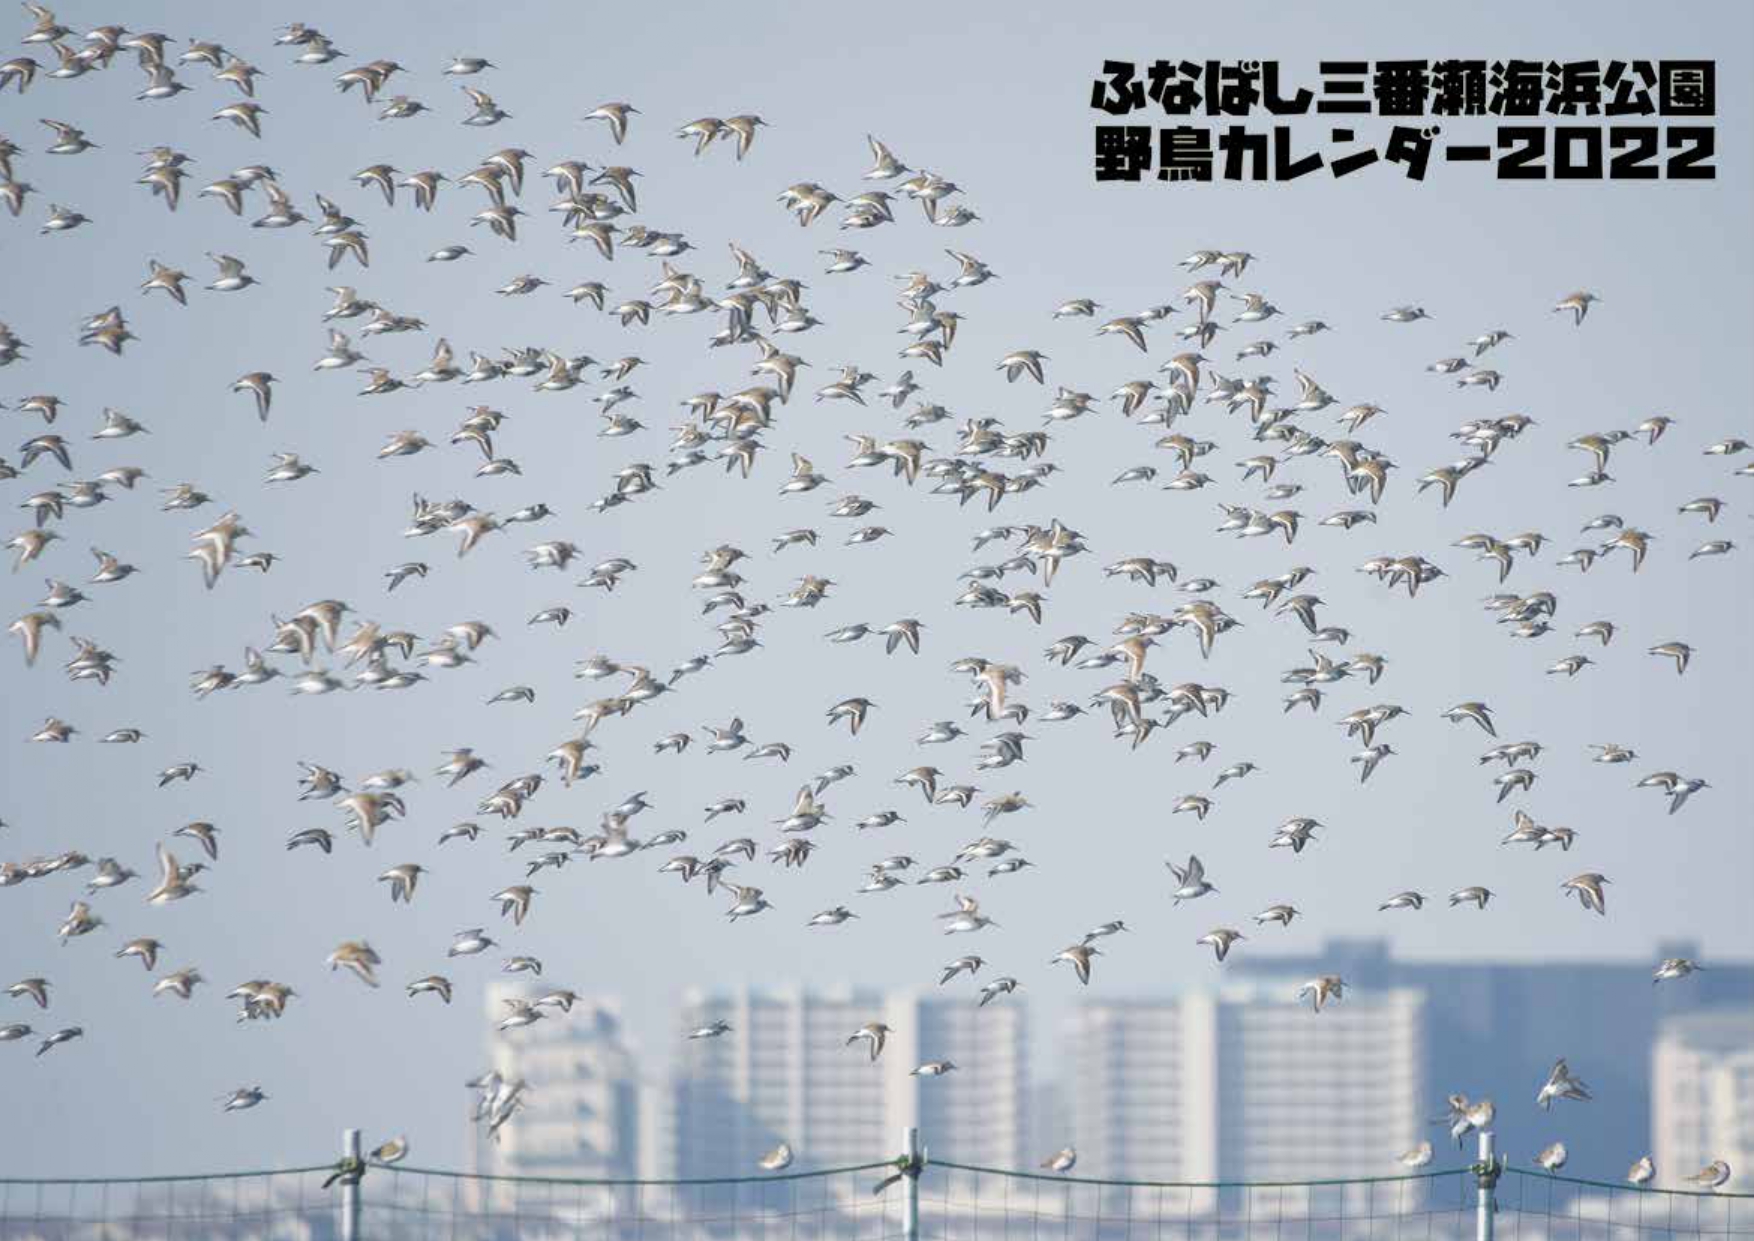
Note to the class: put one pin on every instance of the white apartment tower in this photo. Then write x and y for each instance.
(1245, 1083)
(582, 1115)
(1702, 1095)
(786, 1073)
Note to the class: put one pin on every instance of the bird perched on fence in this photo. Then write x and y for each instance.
(778, 1159)
(1552, 1158)
(1061, 1161)
(1712, 1176)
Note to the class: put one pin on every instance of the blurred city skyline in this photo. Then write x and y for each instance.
(1231, 1080)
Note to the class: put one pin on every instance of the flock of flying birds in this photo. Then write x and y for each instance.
(756, 317)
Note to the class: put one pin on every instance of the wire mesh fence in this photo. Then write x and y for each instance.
(988, 1204)
(838, 1204)
(1534, 1206)
(286, 1204)
(941, 1201)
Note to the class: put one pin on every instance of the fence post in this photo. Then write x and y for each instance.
(350, 1155)
(910, 1185)
(1486, 1175)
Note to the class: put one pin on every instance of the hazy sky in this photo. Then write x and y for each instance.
(998, 102)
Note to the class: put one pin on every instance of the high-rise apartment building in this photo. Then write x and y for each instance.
(1702, 1095)
(1494, 1029)
(786, 1073)
(1245, 1083)
(582, 1114)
